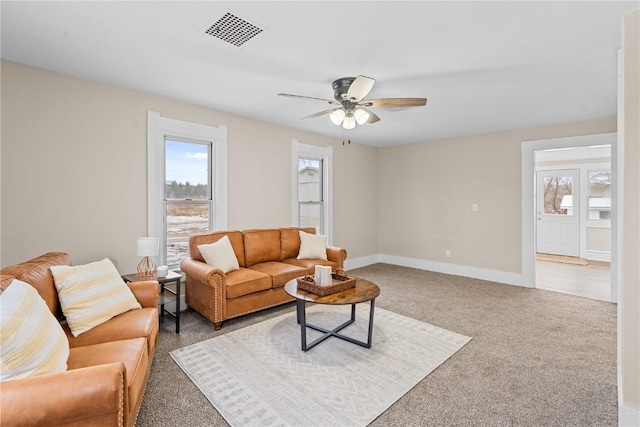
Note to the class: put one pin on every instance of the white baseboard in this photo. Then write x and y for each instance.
(350, 264)
(628, 417)
(439, 267)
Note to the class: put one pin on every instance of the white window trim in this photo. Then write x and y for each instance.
(158, 128)
(299, 149)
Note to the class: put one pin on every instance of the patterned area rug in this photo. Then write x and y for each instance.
(259, 376)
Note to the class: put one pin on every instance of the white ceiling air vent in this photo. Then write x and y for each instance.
(234, 30)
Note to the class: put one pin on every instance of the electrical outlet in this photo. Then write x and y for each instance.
(447, 253)
(474, 207)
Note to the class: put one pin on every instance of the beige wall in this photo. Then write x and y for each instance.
(599, 239)
(74, 170)
(427, 191)
(629, 306)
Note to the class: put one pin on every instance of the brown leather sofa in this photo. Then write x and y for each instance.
(267, 259)
(107, 369)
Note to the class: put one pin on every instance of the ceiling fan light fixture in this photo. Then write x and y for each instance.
(361, 116)
(349, 123)
(337, 116)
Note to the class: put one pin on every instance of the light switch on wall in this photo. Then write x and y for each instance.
(474, 207)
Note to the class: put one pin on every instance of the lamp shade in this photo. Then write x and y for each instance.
(349, 122)
(337, 117)
(361, 116)
(148, 246)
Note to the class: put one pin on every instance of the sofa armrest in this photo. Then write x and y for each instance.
(86, 396)
(337, 255)
(146, 292)
(202, 272)
(205, 290)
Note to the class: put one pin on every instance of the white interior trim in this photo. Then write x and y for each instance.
(504, 277)
(158, 128)
(299, 149)
(528, 198)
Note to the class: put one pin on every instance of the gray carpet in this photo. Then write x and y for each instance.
(537, 358)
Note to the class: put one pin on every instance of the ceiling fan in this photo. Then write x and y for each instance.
(351, 107)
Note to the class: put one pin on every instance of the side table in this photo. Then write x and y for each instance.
(172, 277)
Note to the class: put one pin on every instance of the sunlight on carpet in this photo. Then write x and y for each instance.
(259, 376)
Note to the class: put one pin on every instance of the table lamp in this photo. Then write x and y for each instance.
(146, 248)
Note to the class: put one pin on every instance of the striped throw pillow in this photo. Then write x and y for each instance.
(32, 341)
(91, 294)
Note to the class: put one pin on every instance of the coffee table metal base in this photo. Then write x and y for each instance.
(302, 321)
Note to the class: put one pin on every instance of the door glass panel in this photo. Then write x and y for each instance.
(599, 195)
(309, 180)
(558, 195)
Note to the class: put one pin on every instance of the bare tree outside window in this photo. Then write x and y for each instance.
(558, 192)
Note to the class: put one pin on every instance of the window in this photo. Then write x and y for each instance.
(599, 183)
(186, 183)
(312, 187)
(188, 201)
(310, 194)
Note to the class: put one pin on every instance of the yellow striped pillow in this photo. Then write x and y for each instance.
(91, 294)
(32, 341)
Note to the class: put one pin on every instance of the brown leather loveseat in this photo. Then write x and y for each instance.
(267, 260)
(107, 368)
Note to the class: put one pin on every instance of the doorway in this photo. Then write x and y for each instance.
(549, 226)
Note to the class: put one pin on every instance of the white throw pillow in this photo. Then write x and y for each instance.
(220, 255)
(32, 341)
(312, 246)
(91, 294)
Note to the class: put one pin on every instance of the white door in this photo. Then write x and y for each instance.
(558, 204)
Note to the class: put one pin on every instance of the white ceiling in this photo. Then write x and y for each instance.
(484, 66)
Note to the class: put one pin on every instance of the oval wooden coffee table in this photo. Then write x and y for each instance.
(363, 291)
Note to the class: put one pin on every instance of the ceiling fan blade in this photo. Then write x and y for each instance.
(395, 102)
(373, 117)
(321, 113)
(360, 88)
(330, 101)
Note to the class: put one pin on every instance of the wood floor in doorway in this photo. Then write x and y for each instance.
(589, 281)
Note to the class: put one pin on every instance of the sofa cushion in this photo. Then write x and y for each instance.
(141, 323)
(310, 264)
(91, 294)
(235, 237)
(261, 246)
(220, 254)
(36, 273)
(133, 353)
(280, 272)
(246, 281)
(312, 246)
(31, 339)
(290, 240)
